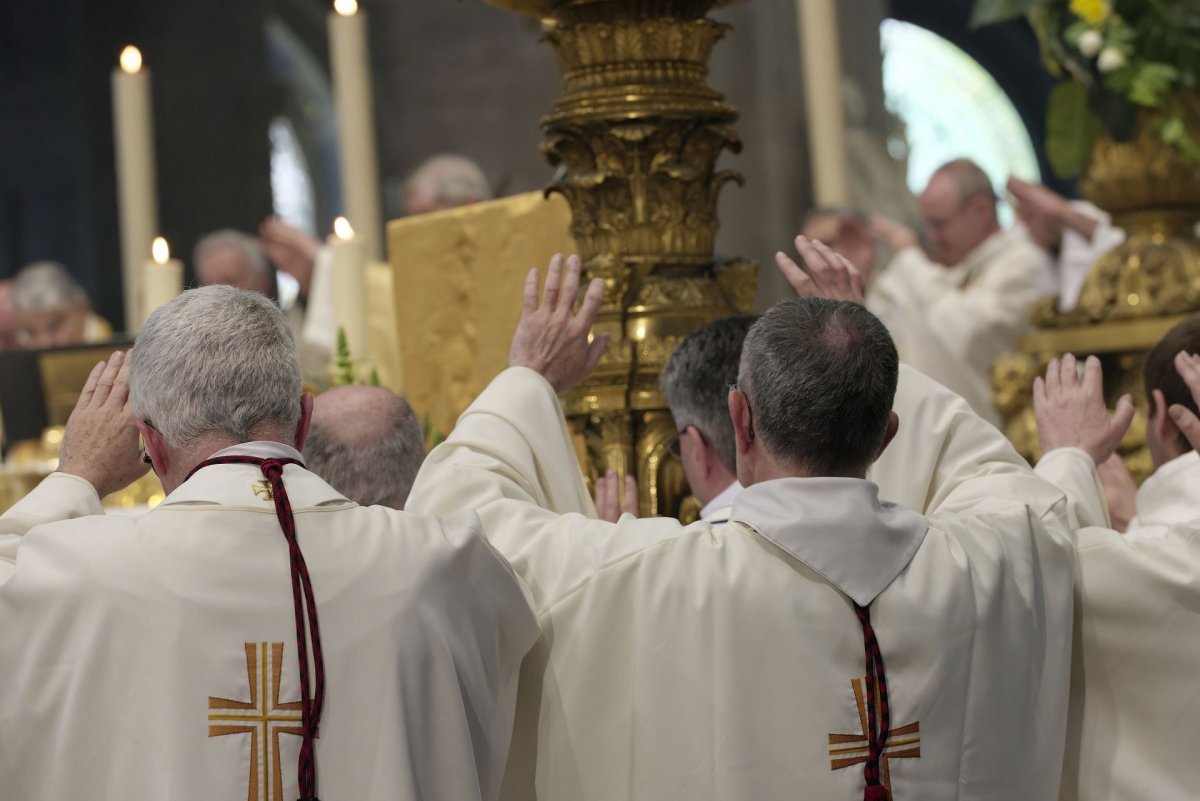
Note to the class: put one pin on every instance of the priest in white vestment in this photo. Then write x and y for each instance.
(954, 310)
(737, 661)
(157, 657)
(1135, 687)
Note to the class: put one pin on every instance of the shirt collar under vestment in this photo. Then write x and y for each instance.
(239, 484)
(837, 527)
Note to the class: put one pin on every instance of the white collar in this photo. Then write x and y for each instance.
(1169, 495)
(721, 502)
(837, 527)
(235, 484)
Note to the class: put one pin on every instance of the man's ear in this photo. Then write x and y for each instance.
(1164, 429)
(889, 434)
(699, 451)
(739, 412)
(155, 445)
(306, 407)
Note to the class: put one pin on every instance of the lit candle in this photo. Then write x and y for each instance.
(162, 278)
(349, 267)
(133, 135)
(350, 63)
(825, 105)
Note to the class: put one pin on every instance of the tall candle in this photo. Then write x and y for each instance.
(349, 58)
(349, 267)
(825, 105)
(137, 199)
(162, 279)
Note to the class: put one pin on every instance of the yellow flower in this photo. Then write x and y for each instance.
(1093, 12)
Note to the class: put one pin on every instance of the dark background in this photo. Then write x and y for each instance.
(450, 77)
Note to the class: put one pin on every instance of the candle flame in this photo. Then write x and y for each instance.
(131, 60)
(342, 228)
(160, 251)
(347, 8)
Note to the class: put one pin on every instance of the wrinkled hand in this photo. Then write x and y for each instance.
(1071, 414)
(825, 274)
(289, 249)
(894, 235)
(1188, 365)
(609, 506)
(552, 338)
(1120, 491)
(100, 444)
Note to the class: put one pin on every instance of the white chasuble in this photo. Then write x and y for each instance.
(727, 662)
(1135, 683)
(155, 658)
(953, 323)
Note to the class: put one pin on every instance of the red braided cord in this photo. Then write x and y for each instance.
(303, 599)
(878, 712)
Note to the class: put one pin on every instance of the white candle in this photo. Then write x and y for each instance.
(825, 105)
(133, 135)
(162, 279)
(349, 58)
(349, 260)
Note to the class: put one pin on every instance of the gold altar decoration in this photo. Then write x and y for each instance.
(1133, 295)
(636, 136)
(459, 275)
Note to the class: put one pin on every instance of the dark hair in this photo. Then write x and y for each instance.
(820, 376)
(696, 382)
(1159, 371)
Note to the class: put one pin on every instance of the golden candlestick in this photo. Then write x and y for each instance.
(638, 132)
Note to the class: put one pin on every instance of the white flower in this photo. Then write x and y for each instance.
(1090, 43)
(1111, 59)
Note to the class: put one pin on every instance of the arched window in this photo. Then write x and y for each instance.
(291, 185)
(951, 108)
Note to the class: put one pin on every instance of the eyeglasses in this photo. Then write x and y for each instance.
(673, 445)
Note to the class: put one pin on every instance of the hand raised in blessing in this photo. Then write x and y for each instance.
(100, 444)
(1071, 414)
(609, 505)
(825, 274)
(552, 338)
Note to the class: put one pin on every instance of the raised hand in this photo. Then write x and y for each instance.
(609, 506)
(289, 249)
(825, 274)
(100, 444)
(1188, 366)
(894, 235)
(552, 338)
(1071, 414)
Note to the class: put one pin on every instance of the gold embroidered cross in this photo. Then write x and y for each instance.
(263, 717)
(846, 750)
(262, 488)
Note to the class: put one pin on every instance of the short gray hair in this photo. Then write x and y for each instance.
(46, 285)
(696, 382)
(215, 360)
(247, 246)
(450, 179)
(366, 443)
(820, 377)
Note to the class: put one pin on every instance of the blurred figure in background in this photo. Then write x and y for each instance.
(8, 317)
(53, 311)
(445, 182)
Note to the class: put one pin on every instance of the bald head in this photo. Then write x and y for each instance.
(959, 210)
(8, 317)
(444, 182)
(366, 442)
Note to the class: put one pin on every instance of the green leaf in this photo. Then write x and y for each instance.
(1071, 129)
(988, 12)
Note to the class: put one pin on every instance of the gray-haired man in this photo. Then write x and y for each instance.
(185, 654)
(820, 640)
(366, 442)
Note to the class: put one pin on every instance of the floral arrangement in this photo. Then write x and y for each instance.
(1122, 57)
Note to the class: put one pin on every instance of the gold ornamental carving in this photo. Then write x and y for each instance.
(636, 136)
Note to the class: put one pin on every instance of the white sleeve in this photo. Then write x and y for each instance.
(510, 459)
(1074, 472)
(60, 496)
(319, 329)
